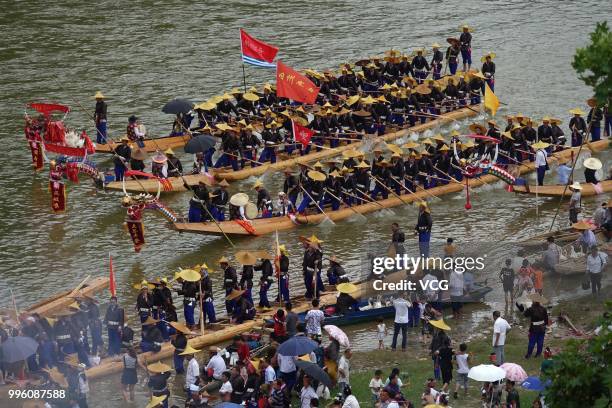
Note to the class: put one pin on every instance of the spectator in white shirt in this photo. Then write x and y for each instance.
(214, 370)
(500, 327)
(308, 393)
(226, 387)
(376, 384)
(288, 370)
(193, 369)
(314, 319)
(350, 401)
(595, 264)
(269, 373)
(400, 322)
(456, 292)
(387, 399)
(344, 368)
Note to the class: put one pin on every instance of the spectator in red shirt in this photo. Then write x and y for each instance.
(280, 330)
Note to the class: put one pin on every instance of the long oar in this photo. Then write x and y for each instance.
(376, 179)
(316, 203)
(416, 185)
(360, 215)
(366, 198)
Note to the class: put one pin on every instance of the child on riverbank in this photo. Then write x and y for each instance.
(463, 367)
(376, 384)
(537, 276)
(381, 333)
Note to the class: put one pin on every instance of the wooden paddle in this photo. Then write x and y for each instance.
(317, 204)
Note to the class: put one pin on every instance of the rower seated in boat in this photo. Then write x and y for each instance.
(336, 273)
(264, 202)
(284, 206)
(175, 167)
(152, 338)
(346, 303)
(243, 310)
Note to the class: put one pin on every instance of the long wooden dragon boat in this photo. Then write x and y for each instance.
(213, 334)
(60, 301)
(261, 226)
(556, 190)
(150, 144)
(175, 184)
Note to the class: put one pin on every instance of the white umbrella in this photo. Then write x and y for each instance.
(486, 372)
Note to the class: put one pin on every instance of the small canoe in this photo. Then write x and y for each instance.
(573, 266)
(228, 174)
(556, 190)
(150, 145)
(263, 226)
(562, 237)
(366, 314)
(60, 301)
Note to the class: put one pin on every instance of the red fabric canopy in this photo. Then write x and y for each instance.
(47, 108)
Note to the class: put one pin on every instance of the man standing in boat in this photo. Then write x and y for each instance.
(189, 290)
(144, 302)
(465, 42)
(541, 163)
(114, 319)
(594, 119)
(230, 282)
(423, 229)
(219, 201)
(311, 266)
(100, 118)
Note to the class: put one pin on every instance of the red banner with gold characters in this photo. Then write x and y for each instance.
(58, 196)
(293, 85)
(136, 230)
(37, 154)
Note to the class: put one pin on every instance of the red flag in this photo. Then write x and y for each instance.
(293, 85)
(302, 134)
(111, 287)
(254, 48)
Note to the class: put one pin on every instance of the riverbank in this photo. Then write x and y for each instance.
(416, 366)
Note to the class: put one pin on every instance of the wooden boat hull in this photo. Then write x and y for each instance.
(61, 301)
(217, 334)
(228, 174)
(150, 145)
(588, 190)
(269, 225)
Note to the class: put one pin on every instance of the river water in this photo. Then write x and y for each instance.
(142, 54)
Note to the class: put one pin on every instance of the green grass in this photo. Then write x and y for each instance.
(416, 366)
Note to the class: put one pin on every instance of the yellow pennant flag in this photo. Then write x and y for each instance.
(490, 100)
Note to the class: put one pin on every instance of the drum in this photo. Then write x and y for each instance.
(250, 211)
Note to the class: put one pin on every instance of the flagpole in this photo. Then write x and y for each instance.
(244, 77)
(242, 59)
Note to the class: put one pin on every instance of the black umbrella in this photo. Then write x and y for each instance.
(314, 371)
(18, 348)
(297, 346)
(200, 144)
(177, 106)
